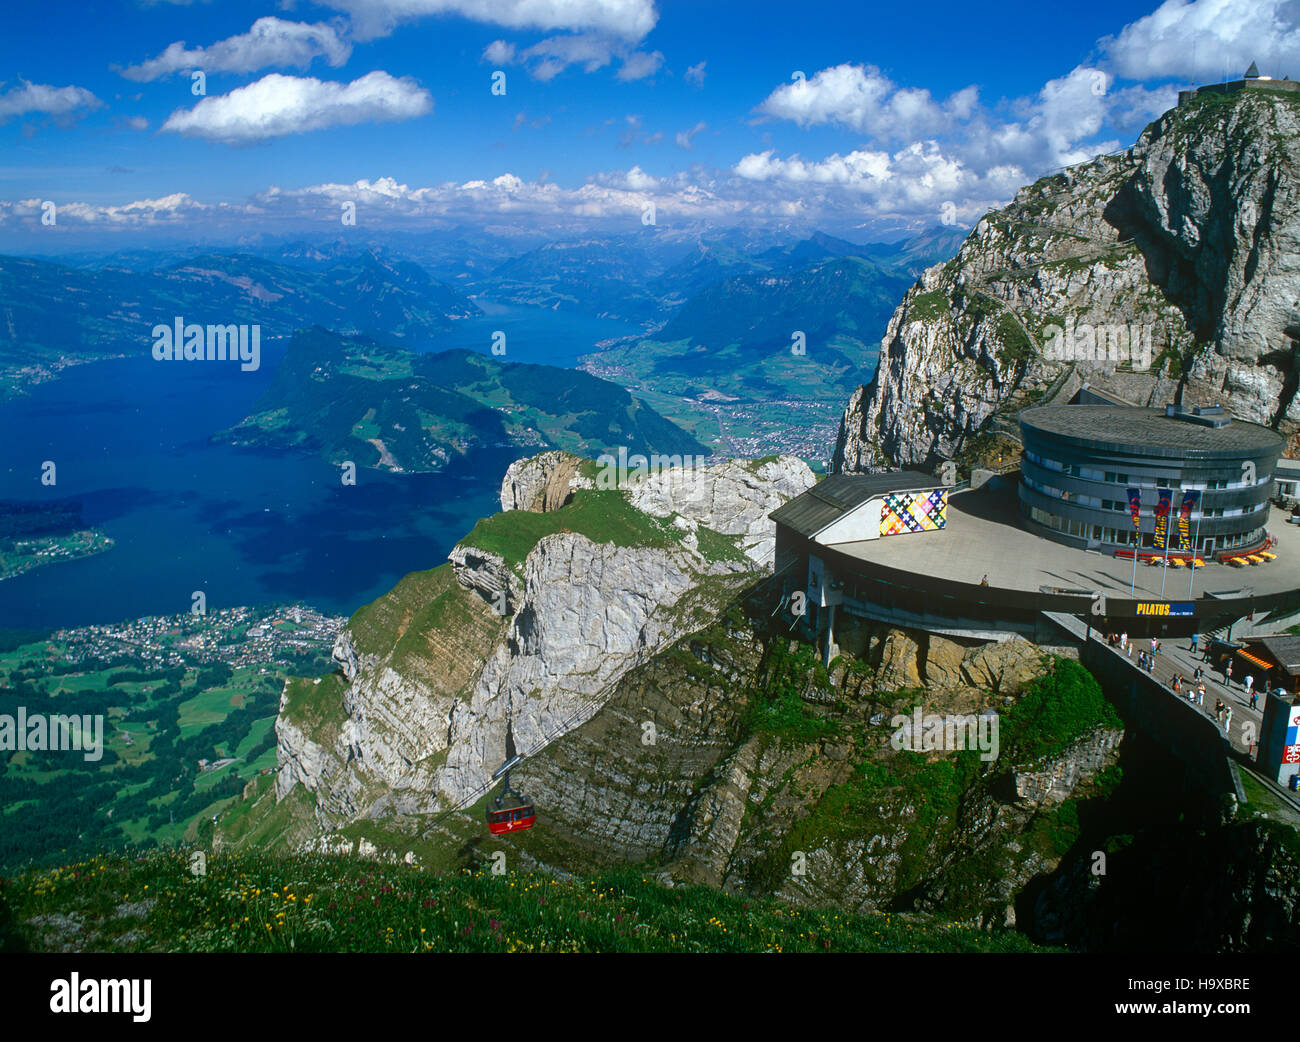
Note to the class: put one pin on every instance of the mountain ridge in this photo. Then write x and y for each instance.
(1190, 236)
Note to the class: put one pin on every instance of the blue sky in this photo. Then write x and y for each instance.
(907, 114)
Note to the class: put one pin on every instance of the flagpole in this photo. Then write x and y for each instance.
(1196, 542)
(1137, 540)
(1165, 568)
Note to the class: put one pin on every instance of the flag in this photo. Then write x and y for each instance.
(1184, 518)
(1162, 516)
(1135, 505)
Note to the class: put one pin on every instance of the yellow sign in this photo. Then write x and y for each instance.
(1152, 609)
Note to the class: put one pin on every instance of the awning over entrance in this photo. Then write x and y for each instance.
(1255, 659)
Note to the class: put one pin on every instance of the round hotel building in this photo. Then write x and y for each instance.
(1080, 460)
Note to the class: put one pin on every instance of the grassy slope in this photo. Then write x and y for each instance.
(602, 516)
(255, 903)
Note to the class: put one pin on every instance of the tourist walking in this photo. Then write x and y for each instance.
(1227, 675)
(1200, 695)
(1196, 640)
(1254, 698)
(1218, 709)
(1227, 720)
(1123, 640)
(1249, 681)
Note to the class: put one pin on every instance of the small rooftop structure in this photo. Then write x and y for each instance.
(1252, 80)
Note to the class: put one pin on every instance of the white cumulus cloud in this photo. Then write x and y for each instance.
(47, 100)
(277, 105)
(628, 19)
(1205, 40)
(270, 42)
(862, 98)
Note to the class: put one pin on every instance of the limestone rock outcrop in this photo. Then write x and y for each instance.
(733, 497)
(439, 676)
(1057, 779)
(543, 482)
(488, 575)
(1181, 254)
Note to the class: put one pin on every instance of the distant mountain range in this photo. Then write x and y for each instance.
(352, 398)
(721, 310)
(763, 345)
(637, 279)
(52, 314)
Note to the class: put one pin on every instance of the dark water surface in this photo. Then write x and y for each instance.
(130, 440)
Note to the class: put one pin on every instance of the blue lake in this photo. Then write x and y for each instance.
(130, 440)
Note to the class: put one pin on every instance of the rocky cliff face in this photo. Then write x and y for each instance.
(437, 678)
(733, 497)
(684, 768)
(543, 482)
(662, 719)
(1170, 271)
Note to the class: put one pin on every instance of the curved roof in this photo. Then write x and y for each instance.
(1123, 428)
(833, 497)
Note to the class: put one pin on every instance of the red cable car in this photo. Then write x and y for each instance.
(502, 819)
(510, 819)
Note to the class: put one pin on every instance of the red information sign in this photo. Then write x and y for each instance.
(1291, 754)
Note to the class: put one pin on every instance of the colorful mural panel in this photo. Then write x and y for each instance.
(914, 512)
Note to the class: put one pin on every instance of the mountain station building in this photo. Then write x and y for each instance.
(1054, 544)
